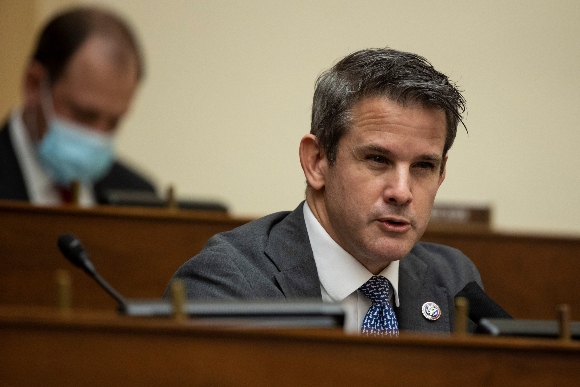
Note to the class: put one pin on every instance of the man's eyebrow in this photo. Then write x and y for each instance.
(373, 148)
(434, 158)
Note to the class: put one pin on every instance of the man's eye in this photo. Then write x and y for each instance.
(425, 165)
(377, 159)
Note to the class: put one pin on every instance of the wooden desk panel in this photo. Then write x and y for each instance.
(136, 250)
(527, 275)
(42, 348)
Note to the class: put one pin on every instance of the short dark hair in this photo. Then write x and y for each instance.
(64, 34)
(400, 76)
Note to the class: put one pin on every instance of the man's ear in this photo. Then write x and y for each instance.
(34, 77)
(314, 162)
(443, 171)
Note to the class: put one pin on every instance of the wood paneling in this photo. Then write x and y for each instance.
(529, 276)
(43, 348)
(137, 250)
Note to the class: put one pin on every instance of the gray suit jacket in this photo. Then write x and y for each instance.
(271, 259)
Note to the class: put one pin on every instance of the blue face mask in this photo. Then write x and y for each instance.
(70, 152)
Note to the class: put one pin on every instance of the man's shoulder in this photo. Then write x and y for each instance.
(250, 237)
(278, 241)
(4, 125)
(5, 134)
(439, 252)
(444, 262)
(121, 176)
(237, 263)
(12, 184)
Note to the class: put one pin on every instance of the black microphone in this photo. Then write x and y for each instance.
(74, 251)
(480, 304)
(258, 313)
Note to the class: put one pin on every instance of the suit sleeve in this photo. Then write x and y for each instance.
(221, 271)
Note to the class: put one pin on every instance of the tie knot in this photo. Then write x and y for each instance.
(377, 289)
(66, 193)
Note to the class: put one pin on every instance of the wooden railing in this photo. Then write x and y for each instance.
(48, 348)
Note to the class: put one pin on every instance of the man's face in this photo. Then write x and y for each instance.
(379, 192)
(94, 89)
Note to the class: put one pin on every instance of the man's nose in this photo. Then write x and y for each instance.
(398, 189)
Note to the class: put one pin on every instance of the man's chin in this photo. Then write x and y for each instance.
(378, 263)
(395, 250)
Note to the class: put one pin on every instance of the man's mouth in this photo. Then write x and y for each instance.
(395, 224)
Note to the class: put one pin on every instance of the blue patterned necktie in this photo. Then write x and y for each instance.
(380, 319)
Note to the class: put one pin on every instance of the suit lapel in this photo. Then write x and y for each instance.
(289, 249)
(415, 289)
(12, 184)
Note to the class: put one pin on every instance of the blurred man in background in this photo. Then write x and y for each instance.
(77, 87)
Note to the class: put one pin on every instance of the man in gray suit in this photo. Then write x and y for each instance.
(382, 124)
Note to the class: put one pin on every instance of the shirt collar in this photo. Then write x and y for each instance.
(339, 272)
(40, 189)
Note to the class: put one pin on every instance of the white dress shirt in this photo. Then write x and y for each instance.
(40, 187)
(341, 274)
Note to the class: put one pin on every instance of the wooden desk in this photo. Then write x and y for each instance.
(88, 349)
(137, 250)
(529, 276)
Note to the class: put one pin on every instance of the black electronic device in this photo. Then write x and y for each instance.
(480, 304)
(493, 320)
(119, 197)
(525, 328)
